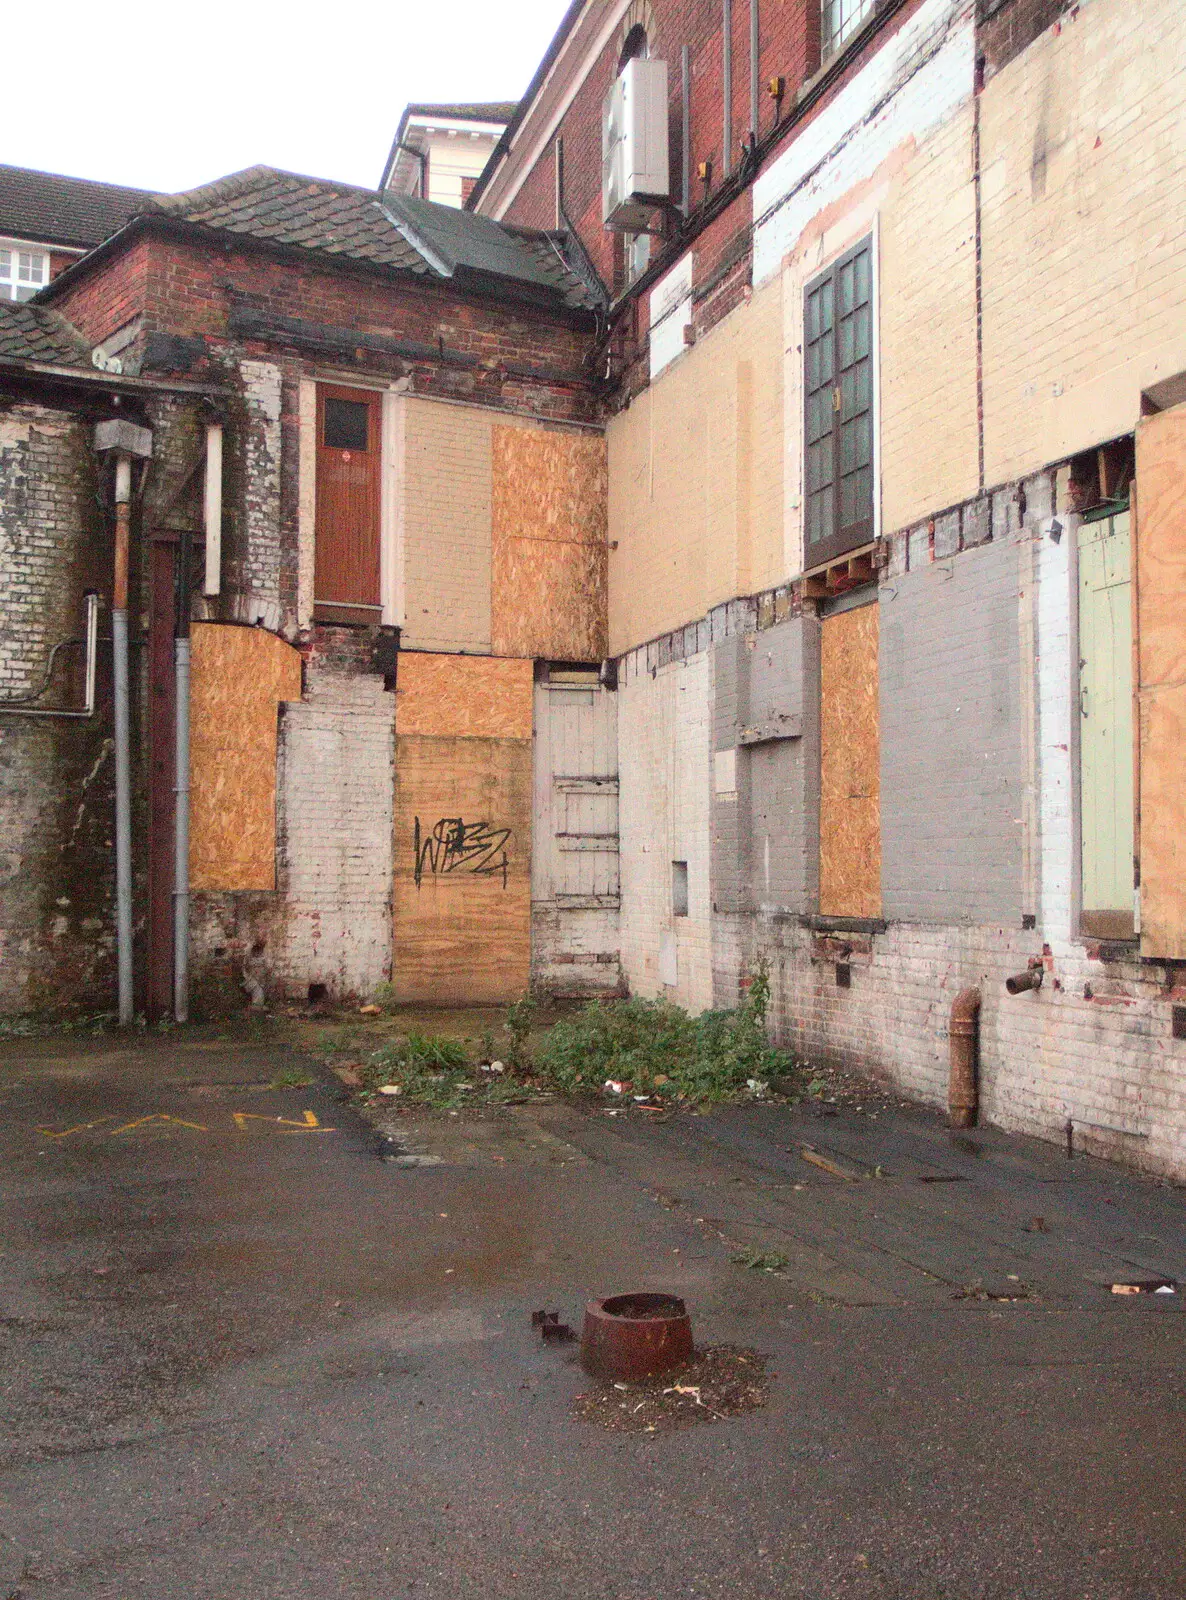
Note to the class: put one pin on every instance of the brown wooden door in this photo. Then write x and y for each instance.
(346, 571)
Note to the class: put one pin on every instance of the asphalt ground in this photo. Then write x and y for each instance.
(251, 1346)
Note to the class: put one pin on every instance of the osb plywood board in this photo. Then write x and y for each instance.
(1163, 824)
(548, 544)
(1161, 665)
(850, 766)
(462, 882)
(239, 675)
(465, 697)
(1161, 547)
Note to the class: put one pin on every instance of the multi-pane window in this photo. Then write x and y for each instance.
(838, 404)
(840, 20)
(22, 272)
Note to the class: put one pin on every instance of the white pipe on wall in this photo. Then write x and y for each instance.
(213, 509)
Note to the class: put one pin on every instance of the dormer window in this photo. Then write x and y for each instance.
(840, 20)
(22, 271)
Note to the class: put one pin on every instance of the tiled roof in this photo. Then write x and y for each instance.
(31, 333)
(383, 229)
(50, 209)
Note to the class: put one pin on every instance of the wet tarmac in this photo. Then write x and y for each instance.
(252, 1346)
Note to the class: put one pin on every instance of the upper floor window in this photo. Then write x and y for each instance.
(22, 272)
(841, 19)
(838, 404)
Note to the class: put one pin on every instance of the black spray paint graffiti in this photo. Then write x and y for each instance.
(458, 846)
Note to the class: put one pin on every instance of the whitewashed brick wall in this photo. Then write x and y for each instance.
(258, 599)
(337, 752)
(665, 750)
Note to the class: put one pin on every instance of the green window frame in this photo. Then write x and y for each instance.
(838, 407)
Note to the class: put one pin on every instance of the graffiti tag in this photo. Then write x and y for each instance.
(454, 845)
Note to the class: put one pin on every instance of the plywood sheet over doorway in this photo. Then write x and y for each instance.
(548, 544)
(850, 766)
(462, 891)
(239, 676)
(1161, 664)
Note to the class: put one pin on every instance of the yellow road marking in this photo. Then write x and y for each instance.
(159, 1116)
(77, 1128)
(287, 1125)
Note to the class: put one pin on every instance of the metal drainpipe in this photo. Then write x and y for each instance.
(123, 771)
(181, 668)
(963, 1090)
(727, 86)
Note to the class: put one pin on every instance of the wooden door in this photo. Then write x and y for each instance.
(1105, 727)
(850, 766)
(346, 569)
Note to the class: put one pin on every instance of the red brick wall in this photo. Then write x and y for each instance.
(187, 289)
(789, 49)
(109, 295)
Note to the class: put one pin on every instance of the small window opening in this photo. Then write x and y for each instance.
(346, 424)
(1101, 479)
(840, 19)
(679, 888)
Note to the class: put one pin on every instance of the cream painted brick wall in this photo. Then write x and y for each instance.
(695, 479)
(927, 257)
(336, 786)
(1084, 218)
(664, 743)
(446, 527)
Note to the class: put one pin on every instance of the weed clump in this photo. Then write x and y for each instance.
(654, 1048)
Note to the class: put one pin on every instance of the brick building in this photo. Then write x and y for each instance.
(895, 343)
(384, 384)
(790, 569)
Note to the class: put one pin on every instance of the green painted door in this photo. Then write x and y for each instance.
(1105, 725)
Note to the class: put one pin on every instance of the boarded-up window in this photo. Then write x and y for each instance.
(346, 574)
(850, 766)
(838, 403)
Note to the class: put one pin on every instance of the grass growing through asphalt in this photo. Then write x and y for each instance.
(646, 1049)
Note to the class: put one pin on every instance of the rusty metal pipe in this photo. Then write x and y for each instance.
(963, 1089)
(1021, 981)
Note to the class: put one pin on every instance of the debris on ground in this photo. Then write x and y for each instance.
(370, 1011)
(552, 1330)
(349, 1075)
(1145, 1286)
(976, 1291)
(761, 1260)
(719, 1381)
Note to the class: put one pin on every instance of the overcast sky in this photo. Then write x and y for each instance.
(166, 96)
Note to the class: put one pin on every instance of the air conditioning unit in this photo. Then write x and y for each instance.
(635, 173)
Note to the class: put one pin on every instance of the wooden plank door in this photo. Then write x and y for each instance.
(850, 766)
(1105, 727)
(346, 566)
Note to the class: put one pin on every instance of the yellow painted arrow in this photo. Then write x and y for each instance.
(286, 1125)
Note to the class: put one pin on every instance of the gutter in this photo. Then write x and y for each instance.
(107, 381)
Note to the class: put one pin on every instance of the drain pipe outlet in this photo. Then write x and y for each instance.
(1020, 982)
(963, 1090)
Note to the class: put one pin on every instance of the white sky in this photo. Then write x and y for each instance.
(163, 95)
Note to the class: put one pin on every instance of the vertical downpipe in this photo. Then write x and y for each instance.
(727, 86)
(685, 62)
(123, 771)
(181, 682)
(753, 67)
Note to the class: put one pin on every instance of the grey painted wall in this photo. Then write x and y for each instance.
(764, 834)
(951, 773)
